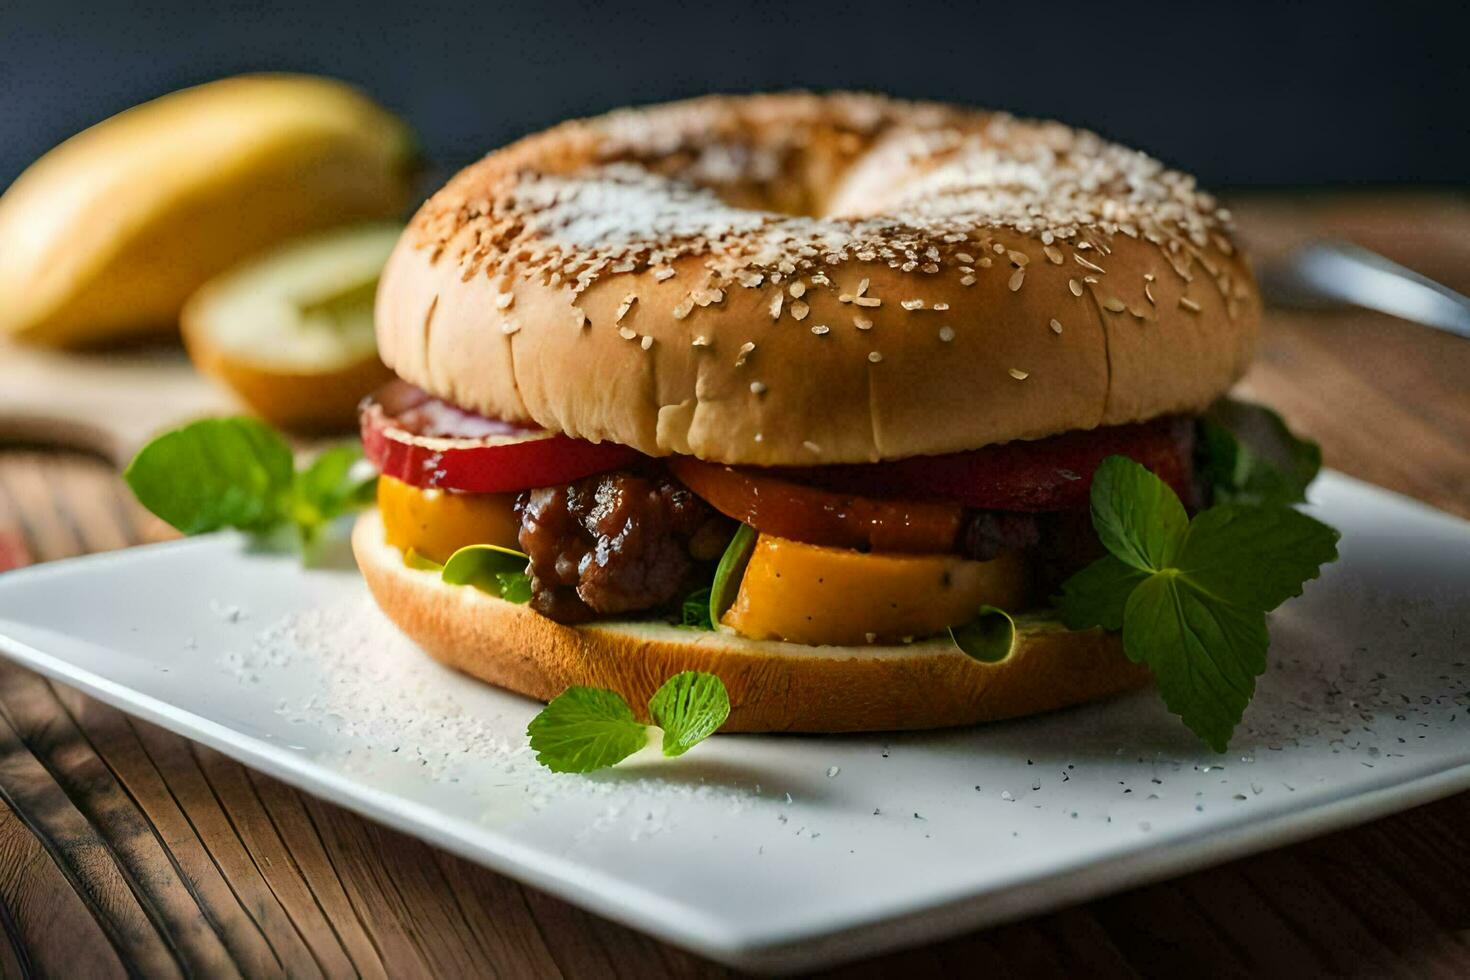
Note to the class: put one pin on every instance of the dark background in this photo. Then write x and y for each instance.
(1240, 93)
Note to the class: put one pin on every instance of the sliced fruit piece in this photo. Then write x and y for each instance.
(435, 524)
(806, 593)
(769, 503)
(108, 234)
(291, 331)
(414, 437)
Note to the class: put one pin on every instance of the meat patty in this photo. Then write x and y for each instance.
(614, 543)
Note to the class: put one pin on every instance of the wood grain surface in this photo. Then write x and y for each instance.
(128, 850)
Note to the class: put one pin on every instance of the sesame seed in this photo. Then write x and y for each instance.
(627, 333)
(776, 305)
(646, 342)
(845, 298)
(700, 341)
(965, 257)
(1113, 305)
(984, 262)
(939, 307)
(810, 446)
(874, 356)
(1017, 277)
(862, 323)
(820, 330)
(862, 288)
(745, 351)
(946, 334)
(1053, 253)
(1018, 374)
(504, 301)
(509, 327)
(757, 388)
(625, 306)
(797, 289)
(967, 280)
(1088, 265)
(799, 310)
(579, 319)
(1148, 293)
(998, 248)
(1056, 326)
(911, 304)
(1138, 312)
(1189, 304)
(867, 301)
(1018, 258)
(685, 307)
(1075, 287)
(663, 272)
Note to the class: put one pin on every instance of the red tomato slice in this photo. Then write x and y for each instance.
(421, 440)
(777, 506)
(1044, 475)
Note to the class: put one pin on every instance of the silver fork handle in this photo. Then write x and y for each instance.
(1350, 274)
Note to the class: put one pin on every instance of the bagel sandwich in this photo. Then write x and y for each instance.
(813, 393)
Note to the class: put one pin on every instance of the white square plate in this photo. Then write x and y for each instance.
(786, 852)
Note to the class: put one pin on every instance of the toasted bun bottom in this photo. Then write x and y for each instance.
(774, 687)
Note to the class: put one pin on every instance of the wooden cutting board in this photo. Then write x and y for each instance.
(105, 402)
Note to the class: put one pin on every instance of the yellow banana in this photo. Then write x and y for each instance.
(105, 236)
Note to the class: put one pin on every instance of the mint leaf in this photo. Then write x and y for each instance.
(689, 707)
(729, 572)
(695, 610)
(213, 474)
(239, 472)
(328, 488)
(1248, 455)
(1137, 516)
(1097, 595)
(988, 638)
(501, 572)
(1205, 654)
(1191, 598)
(585, 728)
(1256, 557)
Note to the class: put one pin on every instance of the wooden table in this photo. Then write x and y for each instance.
(124, 849)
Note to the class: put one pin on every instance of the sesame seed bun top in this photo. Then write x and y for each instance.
(800, 279)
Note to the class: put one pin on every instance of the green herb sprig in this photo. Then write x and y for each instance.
(1191, 596)
(240, 473)
(588, 728)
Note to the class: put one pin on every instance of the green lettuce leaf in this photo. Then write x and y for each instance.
(730, 570)
(988, 638)
(501, 572)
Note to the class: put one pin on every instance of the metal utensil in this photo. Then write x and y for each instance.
(1329, 272)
